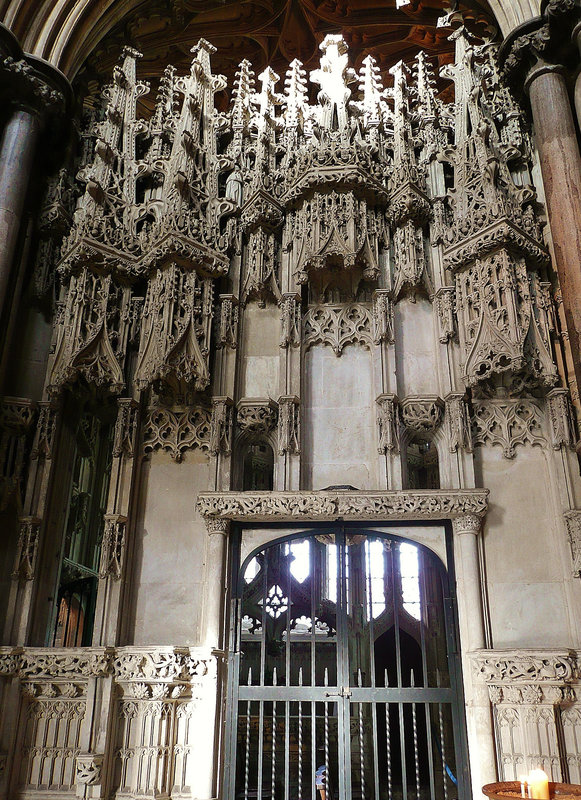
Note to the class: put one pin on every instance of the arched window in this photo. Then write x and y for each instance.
(423, 470)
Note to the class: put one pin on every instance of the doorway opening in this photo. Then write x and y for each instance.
(344, 672)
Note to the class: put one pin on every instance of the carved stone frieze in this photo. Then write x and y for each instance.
(289, 433)
(422, 415)
(176, 431)
(573, 523)
(388, 424)
(256, 415)
(338, 326)
(525, 666)
(68, 664)
(327, 505)
(507, 423)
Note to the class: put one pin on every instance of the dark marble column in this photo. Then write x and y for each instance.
(18, 146)
(556, 141)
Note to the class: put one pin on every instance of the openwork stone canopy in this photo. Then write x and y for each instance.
(341, 505)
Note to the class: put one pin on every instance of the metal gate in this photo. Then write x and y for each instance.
(344, 675)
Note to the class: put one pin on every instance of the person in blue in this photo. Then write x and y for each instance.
(321, 781)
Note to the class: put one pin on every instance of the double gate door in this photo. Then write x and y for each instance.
(344, 675)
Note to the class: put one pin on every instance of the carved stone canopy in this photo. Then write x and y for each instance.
(341, 505)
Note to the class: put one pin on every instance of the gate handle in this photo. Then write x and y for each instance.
(343, 692)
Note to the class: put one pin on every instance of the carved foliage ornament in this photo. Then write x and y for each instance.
(332, 505)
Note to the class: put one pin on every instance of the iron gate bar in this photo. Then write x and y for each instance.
(363, 694)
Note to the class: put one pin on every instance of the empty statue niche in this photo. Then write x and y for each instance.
(423, 471)
(257, 462)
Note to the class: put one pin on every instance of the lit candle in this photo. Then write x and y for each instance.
(538, 785)
(523, 785)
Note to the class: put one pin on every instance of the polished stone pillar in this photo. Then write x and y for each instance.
(215, 581)
(18, 146)
(479, 723)
(556, 141)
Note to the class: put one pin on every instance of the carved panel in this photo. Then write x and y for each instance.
(176, 431)
(221, 426)
(338, 326)
(125, 427)
(176, 324)
(561, 418)
(573, 523)
(508, 424)
(383, 324)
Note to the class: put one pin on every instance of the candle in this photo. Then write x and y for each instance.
(523, 785)
(538, 785)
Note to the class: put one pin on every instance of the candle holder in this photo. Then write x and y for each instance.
(511, 789)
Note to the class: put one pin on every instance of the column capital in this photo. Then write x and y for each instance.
(217, 525)
(31, 83)
(467, 523)
(541, 43)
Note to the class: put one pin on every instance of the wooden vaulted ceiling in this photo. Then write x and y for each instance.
(274, 32)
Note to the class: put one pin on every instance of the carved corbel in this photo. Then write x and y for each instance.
(422, 415)
(387, 424)
(458, 419)
(88, 768)
(290, 307)
(221, 426)
(256, 415)
(289, 439)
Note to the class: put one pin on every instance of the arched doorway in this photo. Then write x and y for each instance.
(344, 674)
